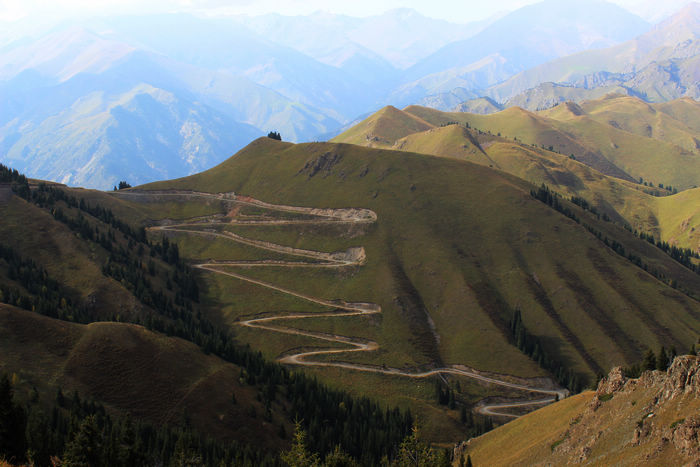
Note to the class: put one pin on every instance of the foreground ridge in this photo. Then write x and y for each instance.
(351, 257)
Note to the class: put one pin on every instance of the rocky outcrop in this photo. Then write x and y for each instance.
(323, 163)
(686, 437)
(614, 382)
(682, 378)
(672, 392)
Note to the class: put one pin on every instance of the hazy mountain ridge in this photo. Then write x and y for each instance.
(660, 65)
(185, 118)
(527, 37)
(302, 76)
(399, 37)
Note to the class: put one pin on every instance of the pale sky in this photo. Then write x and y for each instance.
(461, 11)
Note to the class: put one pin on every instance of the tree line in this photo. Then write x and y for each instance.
(448, 395)
(660, 361)
(44, 294)
(682, 256)
(72, 432)
(531, 346)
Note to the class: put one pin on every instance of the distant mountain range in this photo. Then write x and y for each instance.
(198, 89)
(660, 65)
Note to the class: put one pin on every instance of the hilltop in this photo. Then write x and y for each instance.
(601, 150)
(650, 420)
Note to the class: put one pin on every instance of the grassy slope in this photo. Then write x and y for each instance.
(679, 218)
(383, 128)
(620, 199)
(529, 128)
(676, 122)
(124, 366)
(473, 245)
(131, 369)
(581, 435)
(71, 261)
(608, 149)
(519, 443)
(670, 218)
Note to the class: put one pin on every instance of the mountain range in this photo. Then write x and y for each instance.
(657, 66)
(169, 75)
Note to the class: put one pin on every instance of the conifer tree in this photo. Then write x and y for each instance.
(649, 362)
(414, 453)
(662, 360)
(339, 458)
(298, 454)
(13, 421)
(84, 448)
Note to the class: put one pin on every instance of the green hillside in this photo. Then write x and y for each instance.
(124, 327)
(434, 284)
(506, 142)
(455, 249)
(153, 377)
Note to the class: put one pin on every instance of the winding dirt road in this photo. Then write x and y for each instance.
(351, 257)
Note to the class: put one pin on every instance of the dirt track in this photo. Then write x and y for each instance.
(352, 257)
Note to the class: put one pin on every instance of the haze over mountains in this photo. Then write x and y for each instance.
(76, 89)
(657, 66)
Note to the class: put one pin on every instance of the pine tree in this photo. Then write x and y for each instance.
(649, 362)
(298, 454)
(13, 422)
(414, 453)
(662, 360)
(39, 445)
(186, 454)
(469, 461)
(339, 458)
(84, 449)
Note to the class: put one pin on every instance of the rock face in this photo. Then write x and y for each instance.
(682, 378)
(658, 413)
(614, 382)
(685, 437)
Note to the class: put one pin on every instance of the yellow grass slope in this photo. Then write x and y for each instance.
(383, 128)
(613, 138)
(657, 139)
(676, 122)
(652, 420)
